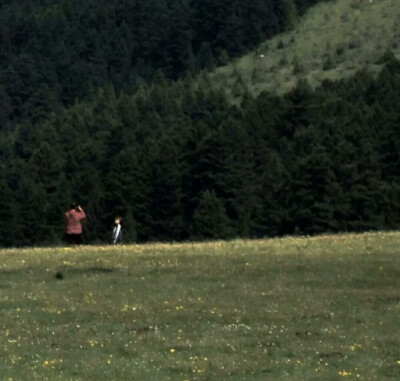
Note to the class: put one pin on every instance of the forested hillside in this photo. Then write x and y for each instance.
(181, 163)
(54, 51)
(161, 147)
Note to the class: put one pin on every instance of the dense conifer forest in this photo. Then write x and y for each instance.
(109, 103)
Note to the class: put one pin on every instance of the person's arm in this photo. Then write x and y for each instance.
(82, 214)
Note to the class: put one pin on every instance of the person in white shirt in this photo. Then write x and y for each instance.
(117, 231)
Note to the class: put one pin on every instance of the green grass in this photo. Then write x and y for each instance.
(332, 41)
(322, 308)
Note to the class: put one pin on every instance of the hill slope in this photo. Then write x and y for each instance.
(332, 41)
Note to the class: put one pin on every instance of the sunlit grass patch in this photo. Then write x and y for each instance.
(307, 308)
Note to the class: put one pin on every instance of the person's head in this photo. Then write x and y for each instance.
(73, 205)
(118, 220)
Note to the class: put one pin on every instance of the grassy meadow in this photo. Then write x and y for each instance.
(323, 308)
(332, 41)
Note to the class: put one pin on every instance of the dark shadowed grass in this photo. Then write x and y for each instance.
(320, 308)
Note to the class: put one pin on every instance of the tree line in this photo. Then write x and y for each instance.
(178, 161)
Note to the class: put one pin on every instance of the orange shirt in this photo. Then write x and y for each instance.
(73, 219)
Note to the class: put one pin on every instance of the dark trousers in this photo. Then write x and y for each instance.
(74, 239)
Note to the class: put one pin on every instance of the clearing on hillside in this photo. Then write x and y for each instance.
(332, 41)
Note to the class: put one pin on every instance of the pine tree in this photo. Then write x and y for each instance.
(312, 182)
(210, 220)
(166, 199)
(7, 202)
(128, 191)
(130, 234)
(290, 13)
(270, 216)
(206, 57)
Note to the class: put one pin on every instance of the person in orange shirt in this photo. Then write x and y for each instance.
(73, 226)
